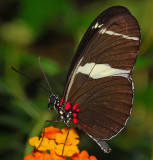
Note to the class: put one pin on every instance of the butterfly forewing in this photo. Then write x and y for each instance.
(99, 79)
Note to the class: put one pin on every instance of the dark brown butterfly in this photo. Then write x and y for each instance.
(98, 94)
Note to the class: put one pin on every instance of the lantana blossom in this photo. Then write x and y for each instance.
(83, 156)
(44, 156)
(50, 132)
(54, 146)
(72, 137)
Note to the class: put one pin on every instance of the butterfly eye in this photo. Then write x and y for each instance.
(52, 100)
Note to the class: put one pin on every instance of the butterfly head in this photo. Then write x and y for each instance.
(53, 102)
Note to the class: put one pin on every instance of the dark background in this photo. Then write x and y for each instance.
(52, 29)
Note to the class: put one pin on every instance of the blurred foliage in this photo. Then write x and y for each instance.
(52, 30)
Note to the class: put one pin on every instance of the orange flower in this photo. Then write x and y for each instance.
(71, 140)
(46, 144)
(29, 157)
(70, 147)
(68, 150)
(44, 156)
(55, 156)
(51, 146)
(83, 156)
(39, 156)
(50, 132)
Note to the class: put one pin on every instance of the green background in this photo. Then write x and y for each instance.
(52, 30)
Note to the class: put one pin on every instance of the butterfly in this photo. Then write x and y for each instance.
(98, 94)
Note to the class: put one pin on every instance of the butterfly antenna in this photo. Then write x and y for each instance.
(44, 74)
(31, 80)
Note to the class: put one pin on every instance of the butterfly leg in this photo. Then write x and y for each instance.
(66, 139)
(58, 120)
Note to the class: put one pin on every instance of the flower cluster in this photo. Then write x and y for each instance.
(51, 146)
